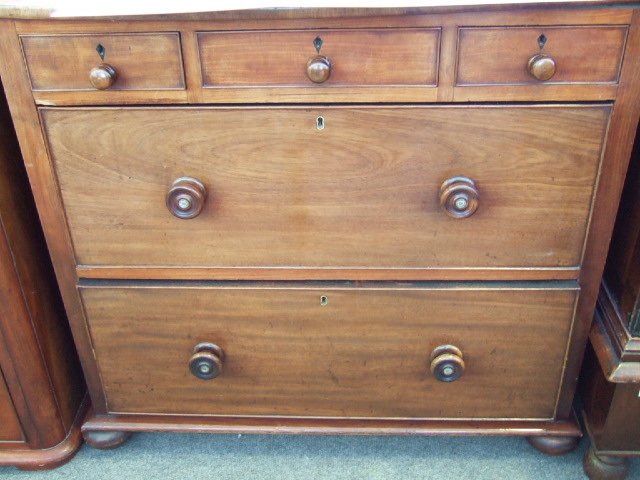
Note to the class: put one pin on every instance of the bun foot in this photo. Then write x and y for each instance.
(604, 467)
(553, 445)
(105, 440)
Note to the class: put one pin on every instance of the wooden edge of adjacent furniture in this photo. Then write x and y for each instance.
(53, 457)
(610, 339)
(591, 434)
(324, 426)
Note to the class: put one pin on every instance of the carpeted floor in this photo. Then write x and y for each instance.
(169, 456)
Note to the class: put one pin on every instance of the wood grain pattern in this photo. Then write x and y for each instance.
(358, 57)
(500, 55)
(40, 383)
(155, 272)
(114, 166)
(364, 354)
(323, 426)
(610, 410)
(321, 20)
(35, 281)
(300, 19)
(622, 271)
(622, 131)
(361, 192)
(142, 61)
(18, 9)
(54, 456)
(34, 151)
(10, 429)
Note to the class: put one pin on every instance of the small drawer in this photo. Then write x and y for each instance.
(141, 61)
(526, 55)
(331, 350)
(346, 57)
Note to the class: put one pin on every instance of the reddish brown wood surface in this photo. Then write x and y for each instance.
(610, 410)
(361, 192)
(27, 126)
(321, 20)
(363, 354)
(54, 456)
(358, 57)
(324, 273)
(622, 272)
(320, 426)
(142, 61)
(10, 424)
(545, 160)
(41, 386)
(622, 131)
(500, 55)
(204, 10)
(610, 372)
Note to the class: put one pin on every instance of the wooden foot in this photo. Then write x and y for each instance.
(604, 467)
(553, 445)
(105, 440)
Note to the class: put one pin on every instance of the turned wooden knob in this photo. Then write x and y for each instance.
(185, 198)
(319, 69)
(103, 76)
(459, 197)
(447, 363)
(542, 66)
(206, 361)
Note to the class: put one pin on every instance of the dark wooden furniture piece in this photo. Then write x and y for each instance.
(610, 379)
(41, 385)
(386, 221)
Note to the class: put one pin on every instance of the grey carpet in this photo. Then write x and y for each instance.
(282, 457)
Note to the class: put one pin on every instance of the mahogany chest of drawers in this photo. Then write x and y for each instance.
(329, 220)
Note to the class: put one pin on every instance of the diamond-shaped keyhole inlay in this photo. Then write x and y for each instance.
(542, 41)
(101, 51)
(317, 43)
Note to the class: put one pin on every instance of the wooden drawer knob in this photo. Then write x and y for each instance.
(459, 197)
(319, 69)
(206, 361)
(447, 363)
(542, 66)
(185, 198)
(103, 76)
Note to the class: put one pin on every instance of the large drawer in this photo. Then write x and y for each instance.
(329, 186)
(331, 350)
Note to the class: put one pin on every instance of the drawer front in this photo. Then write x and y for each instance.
(501, 55)
(141, 61)
(331, 351)
(10, 430)
(363, 191)
(357, 57)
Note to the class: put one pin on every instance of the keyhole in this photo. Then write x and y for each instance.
(319, 123)
(324, 300)
(101, 51)
(542, 41)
